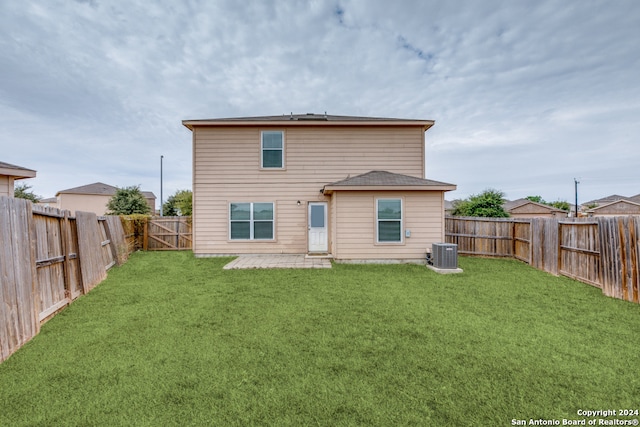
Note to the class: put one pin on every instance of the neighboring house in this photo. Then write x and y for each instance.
(50, 202)
(9, 174)
(603, 201)
(448, 207)
(635, 199)
(93, 198)
(619, 207)
(591, 208)
(524, 208)
(349, 187)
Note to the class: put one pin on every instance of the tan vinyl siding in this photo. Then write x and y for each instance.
(290, 228)
(227, 169)
(6, 186)
(356, 224)
(312, 154)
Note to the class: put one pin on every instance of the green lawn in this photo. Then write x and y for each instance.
(169, 339)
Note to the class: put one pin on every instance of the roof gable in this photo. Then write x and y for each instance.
(623, 206)
(97, 188)
(528, 206)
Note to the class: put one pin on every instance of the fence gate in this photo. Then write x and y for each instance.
(168, 233)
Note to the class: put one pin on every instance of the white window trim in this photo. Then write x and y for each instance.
(251, 223)
(262, 150)
(401, 241)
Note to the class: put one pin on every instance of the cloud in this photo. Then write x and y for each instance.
(535, 90)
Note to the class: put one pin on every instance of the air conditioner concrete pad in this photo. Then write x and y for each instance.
(445, 270)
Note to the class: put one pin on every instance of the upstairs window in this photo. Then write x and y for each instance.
(272, 148)
(251, 221)
(389, 219)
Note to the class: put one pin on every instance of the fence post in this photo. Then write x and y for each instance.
(559, 228)
(112, 243)
(65, 231)
(145, 235)
(34, 275)
(633, 228)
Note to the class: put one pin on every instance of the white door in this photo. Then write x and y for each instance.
(318, 235)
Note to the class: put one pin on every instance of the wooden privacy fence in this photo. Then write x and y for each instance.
(47, 259)
(168, 233)
(601, 251)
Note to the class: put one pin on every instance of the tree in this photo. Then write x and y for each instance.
(488, 204)
(128, 201)
(536, 199)
(169, 207)
(559, 204)
(184, 201)
(21, 191)
(178, 204)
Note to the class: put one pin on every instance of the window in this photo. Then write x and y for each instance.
(389, 220)
(272, 147)
(251, 221)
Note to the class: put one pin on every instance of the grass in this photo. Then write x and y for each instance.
(169, 339)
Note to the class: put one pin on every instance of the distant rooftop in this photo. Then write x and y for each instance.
(513, 204)
(99, 188)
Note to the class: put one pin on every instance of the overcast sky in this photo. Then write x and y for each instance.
(526, 95)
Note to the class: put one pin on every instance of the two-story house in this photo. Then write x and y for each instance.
(350, 187)
(92, 198)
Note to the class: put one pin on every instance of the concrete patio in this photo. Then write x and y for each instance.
(278, 261)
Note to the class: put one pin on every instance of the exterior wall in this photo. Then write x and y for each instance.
(547, 214)
(96, 203)
(6, 186)
(151, 202)
(83, 202)
(355, 228)
(227, 169)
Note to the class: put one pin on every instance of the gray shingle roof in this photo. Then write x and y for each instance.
(384, 178)
(606, 200)
(308, 119)
(95, 188)
(304, 117)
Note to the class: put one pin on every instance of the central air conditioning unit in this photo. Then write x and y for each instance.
(444, 255)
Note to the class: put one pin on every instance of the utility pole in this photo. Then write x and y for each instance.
(576, 182)
(161, 157)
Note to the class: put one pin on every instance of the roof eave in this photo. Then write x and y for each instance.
(18, 173)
